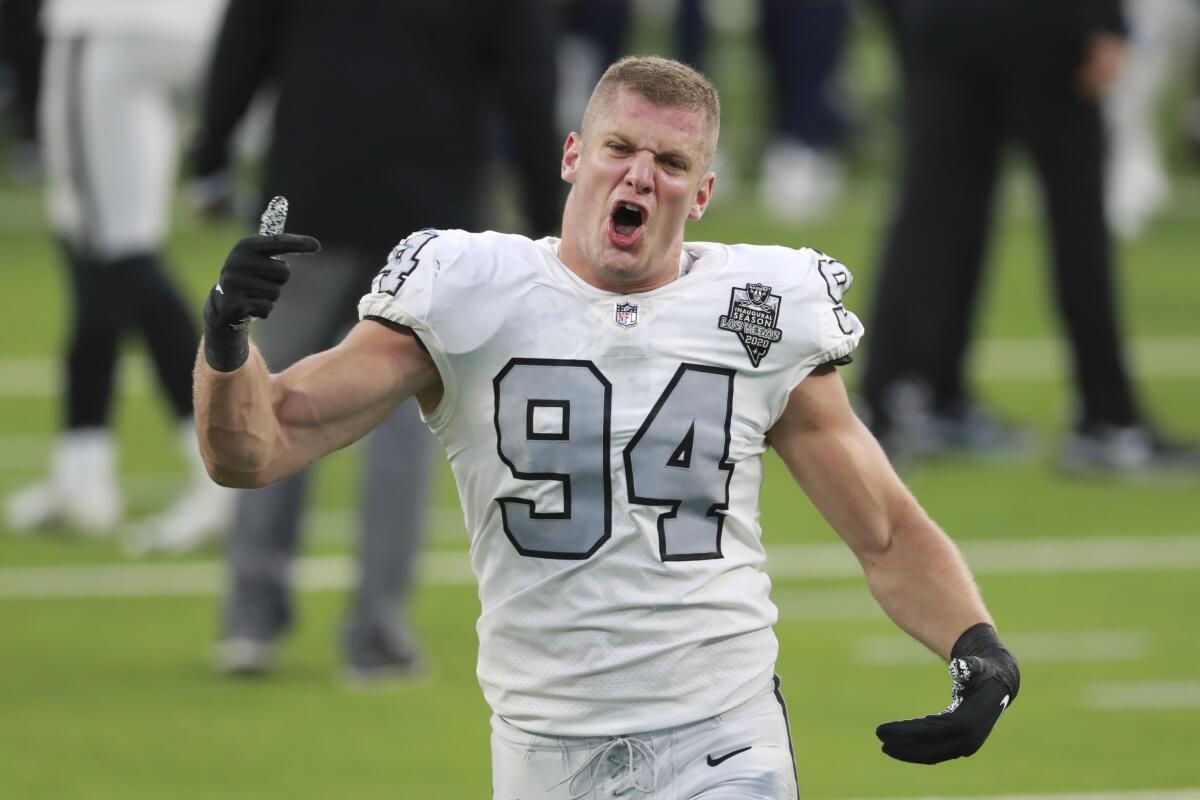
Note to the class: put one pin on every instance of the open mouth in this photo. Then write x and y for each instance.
(626, 224)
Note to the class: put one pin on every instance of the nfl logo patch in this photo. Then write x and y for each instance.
(626, 315)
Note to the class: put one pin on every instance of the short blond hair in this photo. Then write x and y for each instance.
(664, 82)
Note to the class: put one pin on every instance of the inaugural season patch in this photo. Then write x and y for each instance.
(753, 314)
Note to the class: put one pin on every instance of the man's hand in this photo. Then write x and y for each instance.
(249, 286)
(1103, 58)
(986, 680)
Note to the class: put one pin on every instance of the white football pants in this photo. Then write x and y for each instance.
(110, 117)
(743, 754)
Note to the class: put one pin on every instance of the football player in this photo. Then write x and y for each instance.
(115, 74)
(605, 400)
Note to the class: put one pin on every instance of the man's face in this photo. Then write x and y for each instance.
(637, 177)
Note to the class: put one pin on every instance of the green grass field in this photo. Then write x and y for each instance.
(105, 689)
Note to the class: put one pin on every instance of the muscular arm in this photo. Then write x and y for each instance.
(913, 569)
(256, 428)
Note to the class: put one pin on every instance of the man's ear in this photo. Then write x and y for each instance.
(703, 196)
(572, 149)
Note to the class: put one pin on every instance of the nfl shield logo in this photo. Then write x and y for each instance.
(626, 315)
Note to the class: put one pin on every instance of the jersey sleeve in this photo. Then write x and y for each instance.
(822, 330)
(406, 293)
(837, 330)
(403, 291)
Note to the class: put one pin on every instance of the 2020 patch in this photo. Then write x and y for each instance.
(753, 316)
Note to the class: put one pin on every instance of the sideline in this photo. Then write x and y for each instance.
(1144, 695)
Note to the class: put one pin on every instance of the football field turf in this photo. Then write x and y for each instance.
(105, 689)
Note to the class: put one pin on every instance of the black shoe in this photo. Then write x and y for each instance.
(975, 431)
(386, 675)
(1129, 449)
(909, 427)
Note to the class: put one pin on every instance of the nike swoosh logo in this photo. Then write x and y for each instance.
(712, 762)
(1004, 703)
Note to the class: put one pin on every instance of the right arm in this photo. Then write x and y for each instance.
(256, 428)
(912, 568)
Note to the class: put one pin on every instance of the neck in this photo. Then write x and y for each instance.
(664, 270)
(661, 270)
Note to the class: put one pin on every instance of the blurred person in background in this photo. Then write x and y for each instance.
(1164, 35)
(21, 45)
(379, 127)
(594, 33)
(116, 79)
(980, 73)
(1191, 121)
(801, 173)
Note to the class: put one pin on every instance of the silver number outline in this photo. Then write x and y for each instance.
(565, 479)
(717, 509)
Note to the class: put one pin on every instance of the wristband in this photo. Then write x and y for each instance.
(225, 347)
(980, 640)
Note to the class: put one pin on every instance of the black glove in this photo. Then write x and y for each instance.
(986, 680)
(249, 286)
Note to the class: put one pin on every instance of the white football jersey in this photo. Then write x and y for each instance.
(608, 454)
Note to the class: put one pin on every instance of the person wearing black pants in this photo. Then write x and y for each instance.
(116, 81)
(381, 129)
(978, 74)
(21, 45)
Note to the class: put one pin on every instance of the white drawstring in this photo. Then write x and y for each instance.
(633, 748)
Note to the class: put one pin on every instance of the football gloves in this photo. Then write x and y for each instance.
(986, 680)
(249, 286)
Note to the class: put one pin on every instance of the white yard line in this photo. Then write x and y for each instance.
(1149, 695)
(39, 376)
(1041, 359)
(441, 568)
(328, 525)
(316, 573)
(852, 602)
(1012, 556)
(993, 359)
(1041, 647)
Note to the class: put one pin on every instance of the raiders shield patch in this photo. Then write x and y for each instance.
(753, 315)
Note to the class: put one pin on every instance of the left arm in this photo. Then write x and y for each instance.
(913, 569)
